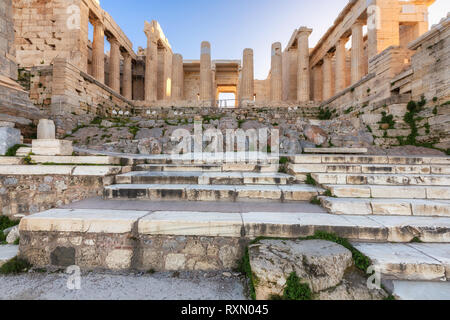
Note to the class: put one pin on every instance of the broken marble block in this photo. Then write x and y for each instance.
(46, 130)
(52, 147)
(9, 137)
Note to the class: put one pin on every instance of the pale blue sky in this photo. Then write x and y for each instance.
(232, 25)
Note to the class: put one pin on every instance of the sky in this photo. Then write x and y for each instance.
(233, 25)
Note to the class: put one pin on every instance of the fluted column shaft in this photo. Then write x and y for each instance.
(276, 83)
(177, 77)
(98, 52)
(114, 65)
(303, 76)
(127, 76)
(205, 72)
(357, 52)
(340, 65)
(327, 77)
(151, 68)
(248, 86)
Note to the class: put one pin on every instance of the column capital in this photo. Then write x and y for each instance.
(304, 31)
(328, 55)
(150, 31)
(358, 24)
(97, 23)
(113, 41)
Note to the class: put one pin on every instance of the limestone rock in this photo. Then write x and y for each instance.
(319, 263)
(9, 137)
(107, 124)
(149, 146)
(13, 235)
(316, 135)
(353, 287)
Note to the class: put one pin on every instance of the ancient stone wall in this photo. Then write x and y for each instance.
(25, 194)
(124, 251)
(63, 87)
(431, 63)
(8, 67)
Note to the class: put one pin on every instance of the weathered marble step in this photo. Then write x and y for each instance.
(242, 225)
(419, 290)
(390, 192)
(382, 179)
(7, 252)
(11, 160)
(368, 168)
(178, 168)
(425, 262)
(368, 159)
(97, 160)
(239, 167)
(335, 150)
(394, 207)
(211, 192)
(208, 158)
(204, 178)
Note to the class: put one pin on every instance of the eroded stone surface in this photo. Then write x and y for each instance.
(321, 264)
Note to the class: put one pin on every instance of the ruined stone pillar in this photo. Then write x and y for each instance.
(98, 52)
(127, 76)
(276, 79)
(357, 52)
(340, 82)
(177, 77)
(114, 65)
(383, 26)
(151, 64)
(205, 72)
(247, 84)
(327, 76)
(303, 65)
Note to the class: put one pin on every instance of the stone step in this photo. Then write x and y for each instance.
(368, 168)
(368, 159)
(179, 240)
(95, 160)
(419, 290)
(23, 151)
(335, 150)
(11, 160)
(208, 158)
(239, 167)
(390, 192)
(394, 207)
(7, 252)
(204, 178)
(382, 179)
(191, 192)
(414, 261)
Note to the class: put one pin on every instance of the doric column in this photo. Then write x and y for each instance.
(327, 76)
(98, 52)
(205, 72)
(247, 83)
(357, 51)
(114, 65)
(177, 77)
(340, 65)
(276, 84)
(303, 65)
(151, 64)
(127, 76)
(317, 76)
